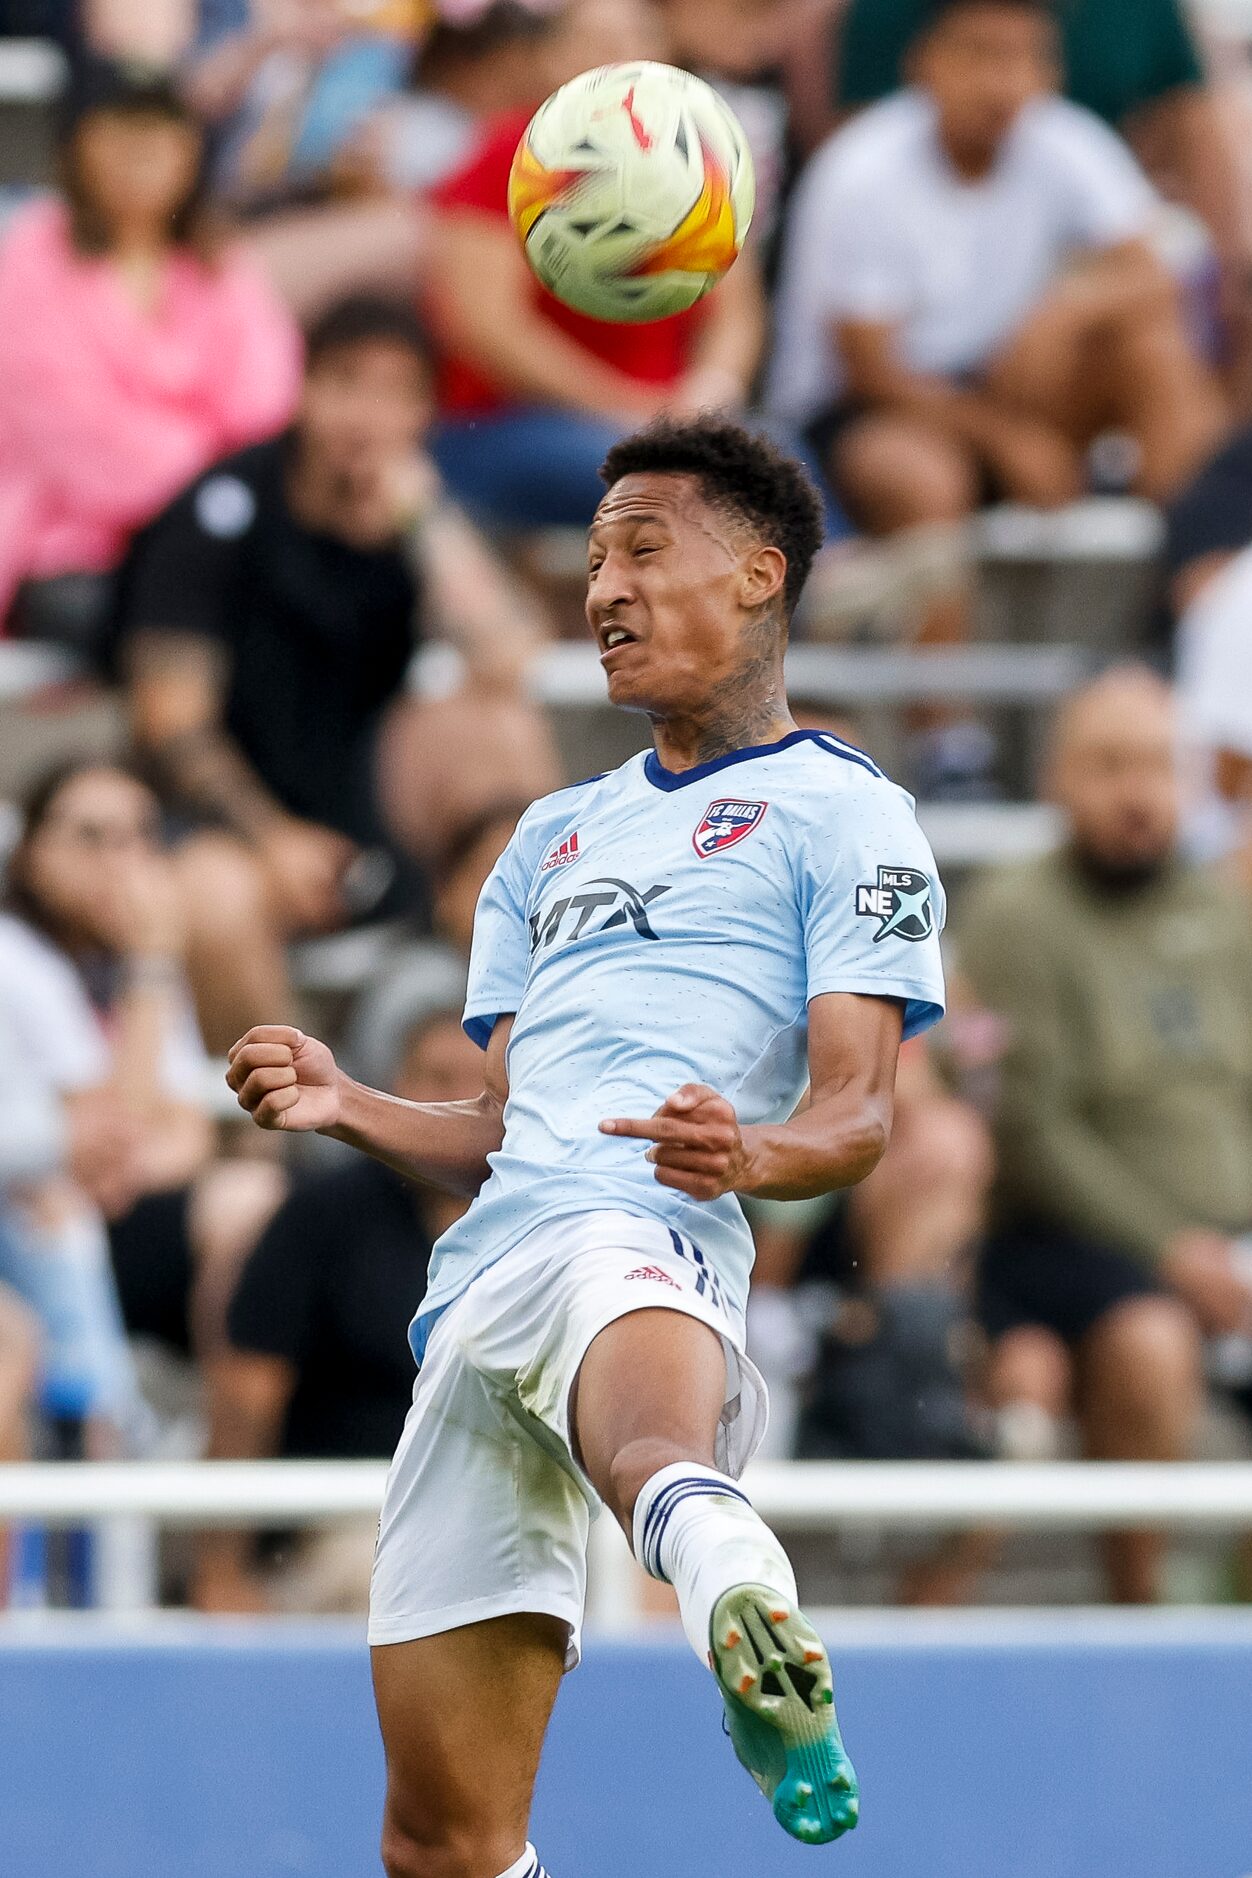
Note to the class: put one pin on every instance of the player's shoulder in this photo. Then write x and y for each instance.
(823, 772)
(549, 816)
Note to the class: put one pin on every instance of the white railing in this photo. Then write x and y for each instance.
(794, 1496)
(811, 1496)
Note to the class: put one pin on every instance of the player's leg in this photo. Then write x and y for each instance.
(475, 1602)
(463, 1717)
(647, 1404)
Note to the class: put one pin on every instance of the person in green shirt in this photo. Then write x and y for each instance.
(1136, 64)
(1122, 977)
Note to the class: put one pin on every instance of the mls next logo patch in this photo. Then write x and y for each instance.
(724, 823)
(901, 902)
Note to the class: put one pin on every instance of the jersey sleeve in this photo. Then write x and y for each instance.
(873, 908)
(500, 954)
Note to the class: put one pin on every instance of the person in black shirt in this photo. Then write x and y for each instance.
(266, 624)
(317, 1365)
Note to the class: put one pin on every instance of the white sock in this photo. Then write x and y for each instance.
(527, 1866)
(696, 1530)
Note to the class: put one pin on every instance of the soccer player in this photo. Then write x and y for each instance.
(664, 958)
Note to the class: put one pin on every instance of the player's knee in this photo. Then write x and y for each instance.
(634, 1465)
(444, 1852)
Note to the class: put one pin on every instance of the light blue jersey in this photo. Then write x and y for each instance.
(651, 929)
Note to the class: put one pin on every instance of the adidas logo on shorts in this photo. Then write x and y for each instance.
(655, 1273)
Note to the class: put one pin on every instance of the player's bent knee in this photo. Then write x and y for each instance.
(450, 1855)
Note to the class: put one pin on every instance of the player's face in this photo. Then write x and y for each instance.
(669, 596)
(983, 65)
(364, 405)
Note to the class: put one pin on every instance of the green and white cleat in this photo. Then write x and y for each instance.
(775, 1679)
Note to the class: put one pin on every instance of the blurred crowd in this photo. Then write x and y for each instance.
(293, 450)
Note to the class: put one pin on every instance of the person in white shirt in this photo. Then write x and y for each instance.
(121, 1191)
(969, 295)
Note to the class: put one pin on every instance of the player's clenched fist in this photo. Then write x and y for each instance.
(285, 1079)
(698, 1146)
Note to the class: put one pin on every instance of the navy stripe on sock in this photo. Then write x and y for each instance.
(679, 1489)
(696, 1493)
(692, 1487)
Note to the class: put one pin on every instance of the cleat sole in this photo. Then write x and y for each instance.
(789, 1742)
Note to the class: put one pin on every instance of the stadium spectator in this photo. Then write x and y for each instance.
(430, 976)
(93, 990)
(317, 1365)
(883, 1380)
(19, 1373)
(136, 348)
(267, 623)
(968, 296)
(288, 84)
(1124, 1115)
(471, 68)
(531, 394)
(1135, 63)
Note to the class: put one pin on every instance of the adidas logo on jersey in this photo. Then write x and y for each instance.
(655, 1273)
(563, 854)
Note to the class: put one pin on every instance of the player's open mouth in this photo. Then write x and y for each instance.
(614, 639)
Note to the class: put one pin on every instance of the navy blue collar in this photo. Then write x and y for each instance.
(662, 778)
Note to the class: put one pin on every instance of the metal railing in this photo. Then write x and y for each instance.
(794, 1496)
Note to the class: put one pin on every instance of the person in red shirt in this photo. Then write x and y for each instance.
(531, 394)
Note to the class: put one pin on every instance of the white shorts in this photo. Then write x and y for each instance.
(486, 1510)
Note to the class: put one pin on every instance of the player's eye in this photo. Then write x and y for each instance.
(636, 552)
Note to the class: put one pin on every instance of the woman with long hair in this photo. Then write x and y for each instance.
(136, 346)
(93, 995)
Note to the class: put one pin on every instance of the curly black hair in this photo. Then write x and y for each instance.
(739, 472)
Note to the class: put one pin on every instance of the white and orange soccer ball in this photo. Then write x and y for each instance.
(632, 191)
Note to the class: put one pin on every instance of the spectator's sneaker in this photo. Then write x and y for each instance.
(775, 1680)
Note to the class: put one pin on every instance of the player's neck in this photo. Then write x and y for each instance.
(731, 722)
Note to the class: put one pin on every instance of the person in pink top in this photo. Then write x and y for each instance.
(135, 348)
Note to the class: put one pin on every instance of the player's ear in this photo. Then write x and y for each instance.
(763, 574)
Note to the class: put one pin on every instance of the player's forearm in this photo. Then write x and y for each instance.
(442, 1144)
(831, 1145)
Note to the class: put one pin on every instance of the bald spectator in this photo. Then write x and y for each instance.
(1124, 977)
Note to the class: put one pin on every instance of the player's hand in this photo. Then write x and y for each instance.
(285, 1079)
(697, 1143)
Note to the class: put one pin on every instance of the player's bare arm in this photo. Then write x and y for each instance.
(834, 1141)
(288, 1081)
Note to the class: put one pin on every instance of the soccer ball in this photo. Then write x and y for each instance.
(631, 191)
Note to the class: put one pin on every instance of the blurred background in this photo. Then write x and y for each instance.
(295, 465)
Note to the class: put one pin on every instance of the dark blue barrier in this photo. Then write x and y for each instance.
(1066, 1747)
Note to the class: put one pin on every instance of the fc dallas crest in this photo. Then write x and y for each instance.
(725, 823)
